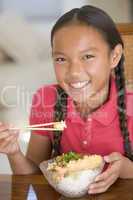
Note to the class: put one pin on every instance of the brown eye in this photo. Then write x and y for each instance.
(87, 57)
(59, 60)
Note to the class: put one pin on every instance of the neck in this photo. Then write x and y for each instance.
(93, 103)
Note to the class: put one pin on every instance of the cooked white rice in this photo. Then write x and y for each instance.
(73, 186)
(77, 185)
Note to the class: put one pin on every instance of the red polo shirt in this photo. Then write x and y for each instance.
(99, 134)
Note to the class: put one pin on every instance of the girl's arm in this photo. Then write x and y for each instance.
(39, 149)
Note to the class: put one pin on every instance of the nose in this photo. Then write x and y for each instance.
(75, 68)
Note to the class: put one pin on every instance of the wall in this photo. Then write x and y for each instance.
(17, 85)
(119, 10)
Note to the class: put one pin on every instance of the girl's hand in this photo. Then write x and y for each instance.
(107, 178)
(8, 140)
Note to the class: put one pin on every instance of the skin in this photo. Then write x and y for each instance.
(21, 164)
(80, 55)
(83, 57)
(119, 167)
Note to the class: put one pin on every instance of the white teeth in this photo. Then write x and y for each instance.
(79, 85)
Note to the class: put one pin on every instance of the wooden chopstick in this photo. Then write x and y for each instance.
(44, 129)
(37, 129)
(40, 125)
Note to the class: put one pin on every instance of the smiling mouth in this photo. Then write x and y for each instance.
(79, 85)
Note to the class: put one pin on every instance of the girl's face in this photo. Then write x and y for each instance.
(82, 61)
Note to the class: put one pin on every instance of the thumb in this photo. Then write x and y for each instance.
(112, 157)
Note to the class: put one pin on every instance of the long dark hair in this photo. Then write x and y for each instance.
(98, 19)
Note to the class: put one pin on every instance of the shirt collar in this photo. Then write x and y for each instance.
(105, 114)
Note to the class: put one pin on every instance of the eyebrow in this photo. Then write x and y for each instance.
(57, 53)
(85, 50)
(90, 49)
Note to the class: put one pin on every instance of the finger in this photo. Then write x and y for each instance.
(105, 175)
(1, 124)
(102, 186)
(14, 132)
(11, 130)
(16, 138)
(4, 135)
(98, 190)
(6, 127)
(9, 146)
(103, 183)
(7, 141)
(13, 145)
(115, 156)
(3, 128)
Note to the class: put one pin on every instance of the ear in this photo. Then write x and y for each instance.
(116, 55)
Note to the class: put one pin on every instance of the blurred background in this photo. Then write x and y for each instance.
(25, 52)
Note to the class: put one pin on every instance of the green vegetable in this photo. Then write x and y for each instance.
(66, 158)
(71, 156)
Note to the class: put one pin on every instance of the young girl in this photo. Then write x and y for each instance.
(90, 96)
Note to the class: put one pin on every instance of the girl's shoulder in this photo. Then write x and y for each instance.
(46, 94)
(129, 103)
(50, 88)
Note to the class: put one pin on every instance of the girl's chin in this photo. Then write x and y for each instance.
(79, 94)
(79, 98)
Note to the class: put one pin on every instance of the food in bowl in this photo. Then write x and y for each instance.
(72, 173)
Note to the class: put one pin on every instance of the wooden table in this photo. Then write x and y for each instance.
(34, 187)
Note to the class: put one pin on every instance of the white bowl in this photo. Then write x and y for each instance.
(74, 186)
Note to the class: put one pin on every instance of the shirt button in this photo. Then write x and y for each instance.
(85, 142)
(89, 119)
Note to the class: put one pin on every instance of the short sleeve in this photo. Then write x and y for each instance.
(129, 105)
(42, 108)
